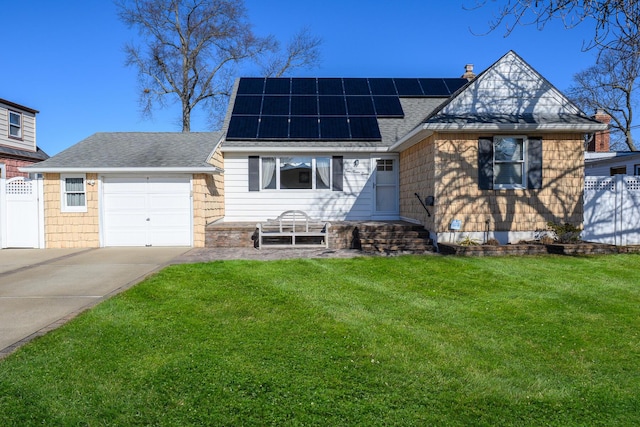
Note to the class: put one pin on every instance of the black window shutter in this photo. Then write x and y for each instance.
(254, 173)
(485, 163)
(337, 173)
(534, 160)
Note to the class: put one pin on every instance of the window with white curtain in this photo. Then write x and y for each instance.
(15, 124)
(73, 193)
(509, 162)
(296, 172)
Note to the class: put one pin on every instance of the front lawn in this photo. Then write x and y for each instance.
(442, 341)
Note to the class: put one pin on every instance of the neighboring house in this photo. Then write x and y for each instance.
(599, 161)
(18, 139)
(132, 189)
(495, 156)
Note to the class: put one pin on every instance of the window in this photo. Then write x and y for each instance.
(15, 124)
(295, 173)
(510, 162)
(73, 189)
(636, 169)
(618, 170)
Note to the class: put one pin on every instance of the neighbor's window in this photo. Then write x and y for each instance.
(636, 169)
(508, 162)
(296, 172)
(15, 124)
(619, 170)
(74, 195)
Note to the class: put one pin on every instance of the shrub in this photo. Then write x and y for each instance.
(564, 233)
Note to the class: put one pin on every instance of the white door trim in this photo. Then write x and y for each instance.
(394, 213)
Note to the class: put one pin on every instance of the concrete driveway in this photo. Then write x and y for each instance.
(40, 289)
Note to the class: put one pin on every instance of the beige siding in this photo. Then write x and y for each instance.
(457, 195)
(28, 141)
(70, 229)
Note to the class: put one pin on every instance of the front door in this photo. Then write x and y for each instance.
(385, 184)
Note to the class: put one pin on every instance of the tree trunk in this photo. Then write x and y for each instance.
(186, 118)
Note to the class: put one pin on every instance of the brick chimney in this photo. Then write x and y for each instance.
(468, 72)
(601, 140)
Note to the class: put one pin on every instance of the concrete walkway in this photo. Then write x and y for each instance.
(40, 289)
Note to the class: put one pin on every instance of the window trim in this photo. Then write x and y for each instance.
(10, 125)
(313, 173)
(63, 193)
(523, 162)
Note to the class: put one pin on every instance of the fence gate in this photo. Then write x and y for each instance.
(22, 213)
(612, 210)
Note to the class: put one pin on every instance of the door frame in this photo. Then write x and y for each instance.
(102, 207)
(395, 213)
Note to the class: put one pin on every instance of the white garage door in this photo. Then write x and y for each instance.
(147, 211)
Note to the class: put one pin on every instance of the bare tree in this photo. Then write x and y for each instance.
(610, 86)
(191, 50)
(616, 23)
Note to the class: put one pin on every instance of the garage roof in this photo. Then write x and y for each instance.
(136, 152)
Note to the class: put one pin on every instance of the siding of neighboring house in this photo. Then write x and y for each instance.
(28, 140)
(70, 229)
(512, 214)
(603, 167)
(354, 202)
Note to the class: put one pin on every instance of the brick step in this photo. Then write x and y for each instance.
(395, 235)
(398, 248)
(396, 241)
(399, 228)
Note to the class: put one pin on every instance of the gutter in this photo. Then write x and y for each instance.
(89, 169)
(363, 149)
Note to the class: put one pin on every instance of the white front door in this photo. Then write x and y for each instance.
(146, 211)
(385, 184)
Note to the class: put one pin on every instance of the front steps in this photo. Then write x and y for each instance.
(382, 237)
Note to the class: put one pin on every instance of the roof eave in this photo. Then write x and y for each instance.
(164, 170)
(298, 149)
(556, 127)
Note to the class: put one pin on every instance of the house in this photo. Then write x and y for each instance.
(600, 161)
(496, 155)
(18, 139)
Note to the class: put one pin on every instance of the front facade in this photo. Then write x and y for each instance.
(493, 156)
(497, 157)
(17, 139)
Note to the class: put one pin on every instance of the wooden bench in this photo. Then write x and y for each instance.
(293, 229)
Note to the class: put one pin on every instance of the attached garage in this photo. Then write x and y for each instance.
(147, 211)
(133, 189)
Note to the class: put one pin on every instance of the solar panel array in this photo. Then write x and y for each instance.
(324, 108)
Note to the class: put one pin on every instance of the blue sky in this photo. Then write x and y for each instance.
(65, 58)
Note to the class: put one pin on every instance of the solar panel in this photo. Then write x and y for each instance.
(304, 128)
(330, 86)
(275, 105)
(276, 127)
(251, 86)
(360, 106)
(304, 105)
(408, 87)
(247, 104)
(382, 87)
(277, 86)
(364, 128)
(356, 86)
(388, 106)
(304, 86)
(455, 84)
(334, 128)
(243, 127)
(434, 87)
(332, 106)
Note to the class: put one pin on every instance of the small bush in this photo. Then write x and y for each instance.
(564, 233)
(492, 242)
(468, 241)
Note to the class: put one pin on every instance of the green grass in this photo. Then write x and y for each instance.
(443, 341)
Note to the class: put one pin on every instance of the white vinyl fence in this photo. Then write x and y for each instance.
(612, 210)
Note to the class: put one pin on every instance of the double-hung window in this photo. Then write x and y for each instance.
(510, 162)
(15, 124)
(295, 173)
(73, 193)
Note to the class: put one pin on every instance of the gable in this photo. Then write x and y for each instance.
(510, 87)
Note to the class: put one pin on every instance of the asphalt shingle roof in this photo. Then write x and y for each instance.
(137, 150)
